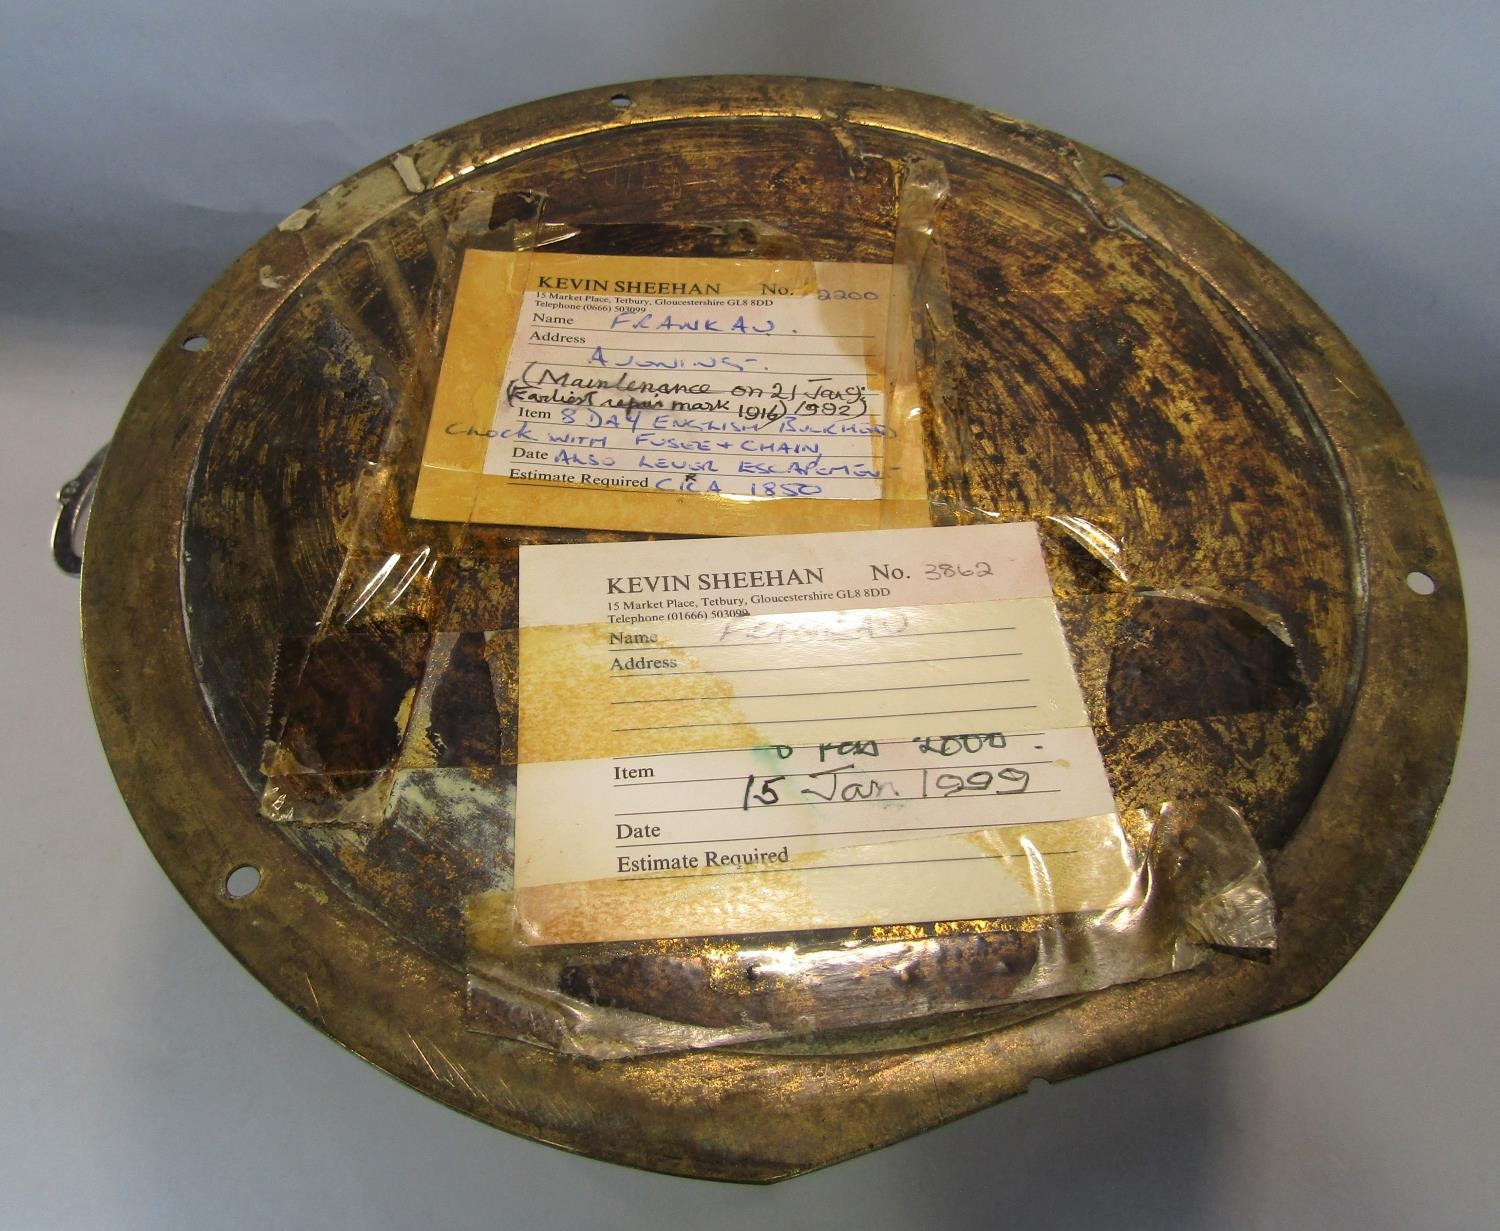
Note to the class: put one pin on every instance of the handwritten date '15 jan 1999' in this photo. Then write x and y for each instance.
(848, 784)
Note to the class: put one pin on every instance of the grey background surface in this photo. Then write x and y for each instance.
(149, 1082)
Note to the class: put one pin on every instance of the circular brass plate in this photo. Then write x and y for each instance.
(1122, 357)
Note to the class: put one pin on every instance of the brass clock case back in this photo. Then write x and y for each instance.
(1122, 361)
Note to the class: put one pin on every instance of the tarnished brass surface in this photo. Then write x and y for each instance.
(1121, 358)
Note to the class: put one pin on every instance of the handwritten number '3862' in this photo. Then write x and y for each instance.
(937, 572)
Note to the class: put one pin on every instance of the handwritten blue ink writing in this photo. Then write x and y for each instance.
(650, 322)
(706, 363)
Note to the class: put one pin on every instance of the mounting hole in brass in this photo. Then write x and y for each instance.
(1419, 582)
(242, 882)
(194, 343)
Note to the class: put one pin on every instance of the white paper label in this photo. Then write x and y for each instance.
(682, 395)
(802, 731)
(768, 398)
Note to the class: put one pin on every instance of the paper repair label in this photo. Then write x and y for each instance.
(707, 396)
(762, 734)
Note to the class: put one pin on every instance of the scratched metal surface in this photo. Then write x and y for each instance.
(1120, 358)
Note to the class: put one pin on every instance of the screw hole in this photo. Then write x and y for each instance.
(242, 882)
(1420, 583)
(1111, 180)
(620, 101)
(194, 342)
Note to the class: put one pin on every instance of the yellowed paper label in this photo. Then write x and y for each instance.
(690, 395)
(742, 735)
